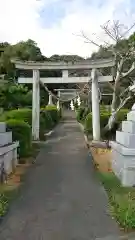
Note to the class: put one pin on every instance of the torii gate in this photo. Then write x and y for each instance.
(65, 67)
(70, 93)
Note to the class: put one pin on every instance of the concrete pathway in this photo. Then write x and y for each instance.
(61, 198)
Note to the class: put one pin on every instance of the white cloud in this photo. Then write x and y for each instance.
(20, 20)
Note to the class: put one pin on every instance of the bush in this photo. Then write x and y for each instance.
(104, 116)
(88, 124)
(79, 113)
(3, 205)
(121, 115)
(49, 116)
(24, 114)
(46, 121)
(54, 113)
(85, 113)
(21, 132)
(88, 121)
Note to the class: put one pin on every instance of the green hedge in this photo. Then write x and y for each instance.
(104, 116)
(81, 113)
(24, 114)
(21, 132)
(49, 116)
(20, 123)
(54, 113)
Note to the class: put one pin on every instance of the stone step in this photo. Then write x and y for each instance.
(122, 149)
(2, 127)
(8, 148)
(5, 138)
(126, 139)
(128, 127)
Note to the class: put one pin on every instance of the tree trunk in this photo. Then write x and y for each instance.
(111, 122)
(114, 99)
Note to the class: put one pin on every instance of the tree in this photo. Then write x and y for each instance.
(14, 95)
(65, 58)
(123, 51)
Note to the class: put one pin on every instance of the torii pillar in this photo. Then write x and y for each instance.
(95, 106)
(36, 105)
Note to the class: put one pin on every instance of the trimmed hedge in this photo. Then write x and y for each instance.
(20, 123)
(54, 113)
(24, 114)
(49, 116)
(21, 132)
(104, 116)
(81, 113)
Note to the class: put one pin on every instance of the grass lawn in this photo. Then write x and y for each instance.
(121, 200)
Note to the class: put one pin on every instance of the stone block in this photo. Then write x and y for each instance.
(124, 168)
(5, 138)
(2, 127)
(128, 127)
(128, 176)
(126, 139)
(131, 116)
(122, 149)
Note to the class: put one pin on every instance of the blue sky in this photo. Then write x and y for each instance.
(55, 24)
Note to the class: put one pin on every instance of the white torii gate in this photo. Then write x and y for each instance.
(70, 93)
(64, 67)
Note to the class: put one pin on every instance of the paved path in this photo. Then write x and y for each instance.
(61, 198)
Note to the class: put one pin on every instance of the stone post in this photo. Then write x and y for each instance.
(58, 105)
(95, 106)
(36, 105)
(58, 102)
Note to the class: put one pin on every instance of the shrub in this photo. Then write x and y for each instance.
(88, 124)
(121, 115)
(24, 114)
(54, 113)
(85, 113)
(21, 132)
(46, 122)
(49, 116)
(79, 113)
(104, 116)
(88, 121)
(3, 205)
